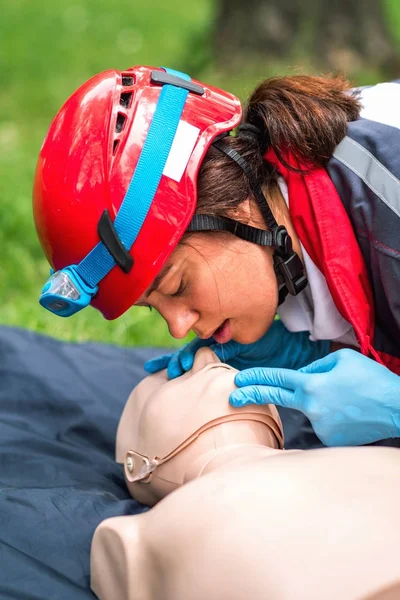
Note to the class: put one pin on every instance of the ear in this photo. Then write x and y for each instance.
(204, 357)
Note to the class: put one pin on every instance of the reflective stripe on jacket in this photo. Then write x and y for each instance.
(365, 170)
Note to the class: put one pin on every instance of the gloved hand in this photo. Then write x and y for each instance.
(178, 362)
(277, 348)
(349, 398)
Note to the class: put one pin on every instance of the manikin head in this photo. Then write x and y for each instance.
(171, 429)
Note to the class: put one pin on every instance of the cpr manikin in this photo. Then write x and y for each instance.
(244, 519)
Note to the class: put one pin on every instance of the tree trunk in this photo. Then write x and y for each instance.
(346, 35)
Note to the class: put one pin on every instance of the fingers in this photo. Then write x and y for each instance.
(183, 359)
(175, 368)
(157, 364)
(187, 354)
(258, 394)
(323, 365)
(281, 378)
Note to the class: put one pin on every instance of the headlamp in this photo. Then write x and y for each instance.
(73, 287)
(66, 293)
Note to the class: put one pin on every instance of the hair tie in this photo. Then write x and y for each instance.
(254, 133)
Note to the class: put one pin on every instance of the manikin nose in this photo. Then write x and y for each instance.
(204, 356)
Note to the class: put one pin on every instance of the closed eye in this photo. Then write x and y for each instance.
(180, 290)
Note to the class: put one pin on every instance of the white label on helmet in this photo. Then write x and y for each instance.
(181, 149)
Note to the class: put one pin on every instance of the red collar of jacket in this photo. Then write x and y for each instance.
(325, 230)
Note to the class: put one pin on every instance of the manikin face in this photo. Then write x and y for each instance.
(170, 428)
(217, 285)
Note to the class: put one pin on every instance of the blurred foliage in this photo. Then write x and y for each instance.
(47, 50)
(356, 37)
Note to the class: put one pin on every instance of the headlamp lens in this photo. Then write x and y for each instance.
(57, 306)
(66, 293)
(60, 284)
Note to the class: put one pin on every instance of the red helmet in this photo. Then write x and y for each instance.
(108, 215)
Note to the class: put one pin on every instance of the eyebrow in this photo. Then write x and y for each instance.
(157, 280)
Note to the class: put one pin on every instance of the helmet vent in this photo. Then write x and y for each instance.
(120, 122)
(127, 80)
(125, 99)
(115, 146)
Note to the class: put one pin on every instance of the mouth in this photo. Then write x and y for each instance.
(223, 334)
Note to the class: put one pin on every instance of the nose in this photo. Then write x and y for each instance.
(180, 321)
(204, 357)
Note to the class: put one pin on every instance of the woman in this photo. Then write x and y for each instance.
(141, 197)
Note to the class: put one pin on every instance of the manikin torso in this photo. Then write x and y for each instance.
(245, 520)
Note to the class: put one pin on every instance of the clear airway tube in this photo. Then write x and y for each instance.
(139, 467)
(145, 470)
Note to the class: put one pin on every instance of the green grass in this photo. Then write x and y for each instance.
(47, 50)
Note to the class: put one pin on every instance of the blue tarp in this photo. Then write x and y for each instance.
(60, 404)
(59, 409)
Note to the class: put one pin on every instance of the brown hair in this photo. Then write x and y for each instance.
(305, 114)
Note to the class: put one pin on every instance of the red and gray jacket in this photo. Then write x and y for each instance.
(348, 219)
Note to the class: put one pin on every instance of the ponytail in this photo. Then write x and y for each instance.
(303, 114)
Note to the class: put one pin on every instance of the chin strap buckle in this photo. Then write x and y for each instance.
(290, 271)
(288, 267)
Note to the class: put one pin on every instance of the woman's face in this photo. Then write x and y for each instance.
(216, 285)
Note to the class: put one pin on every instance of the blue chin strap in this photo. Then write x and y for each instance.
(72, 288)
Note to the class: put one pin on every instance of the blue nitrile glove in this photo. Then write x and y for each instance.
(277, 348)
(349, 398)
(178, 362)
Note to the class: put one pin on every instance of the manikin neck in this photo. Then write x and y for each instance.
(221, 458)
